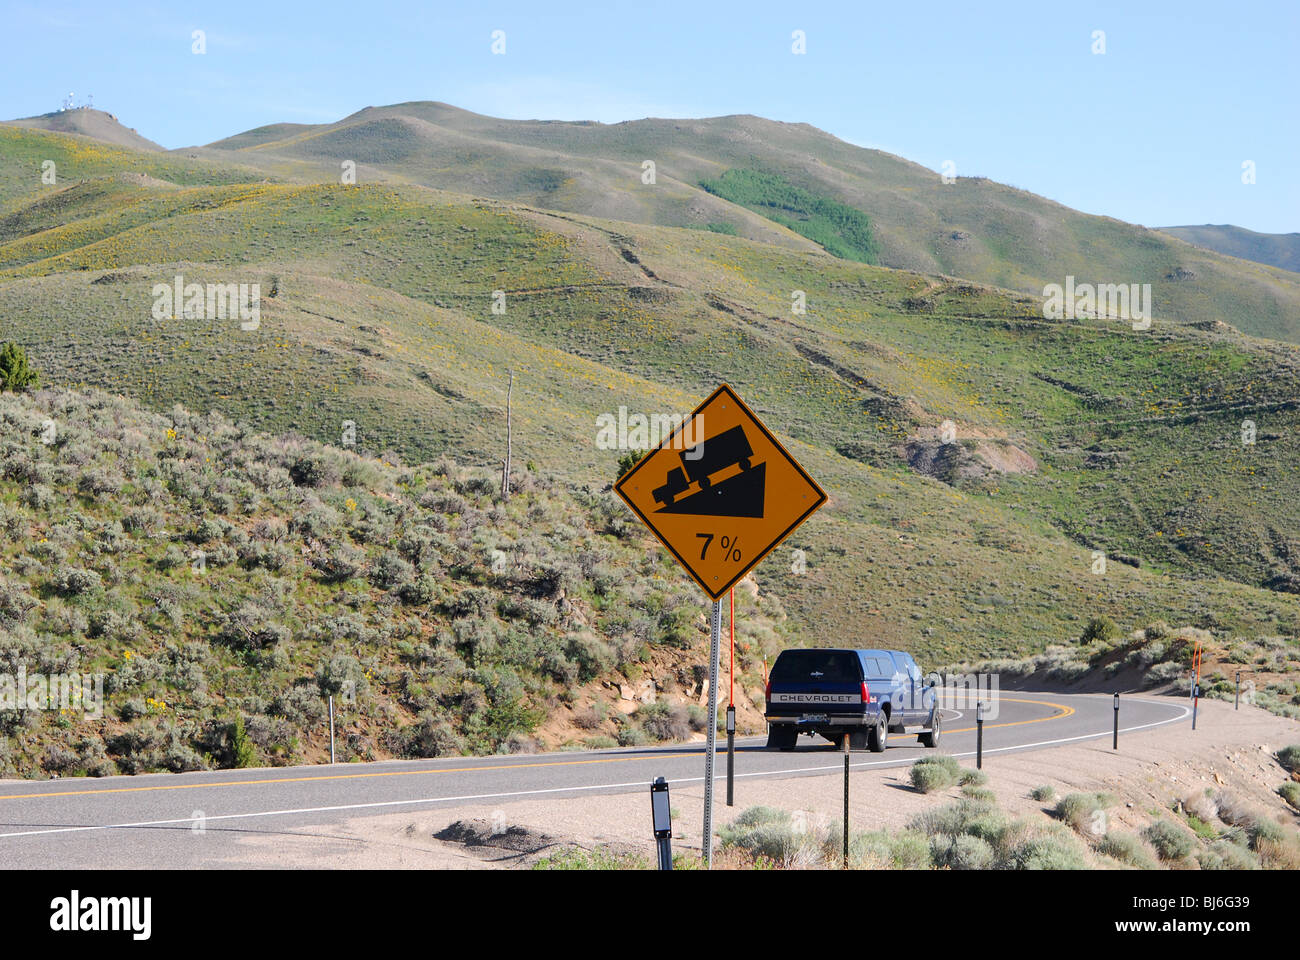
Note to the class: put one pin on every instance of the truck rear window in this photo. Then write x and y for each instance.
(832, 665)
(878, 668)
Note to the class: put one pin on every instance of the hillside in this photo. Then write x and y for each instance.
(216, 576)
(88, 122)
(1275, 249)
(972, 228)
(378, 310)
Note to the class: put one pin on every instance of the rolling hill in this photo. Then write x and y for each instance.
(1092, 469)
(1280, 250)
(972, 228)
(91, 123)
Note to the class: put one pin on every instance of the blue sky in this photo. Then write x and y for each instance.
(1153, 131)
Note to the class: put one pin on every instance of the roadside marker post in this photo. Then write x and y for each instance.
(1236, 705)
(846, 801)
(331, 729)
(731, 711)
(661, 815)
(979, 735)
(731, 756)
(1196, 682)
(1115, 742)
(720, 492)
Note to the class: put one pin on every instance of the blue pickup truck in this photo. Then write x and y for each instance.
(862, 694)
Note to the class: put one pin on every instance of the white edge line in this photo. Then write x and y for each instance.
(1186, 712)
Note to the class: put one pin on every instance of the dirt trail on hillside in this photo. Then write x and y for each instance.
(1229, 750)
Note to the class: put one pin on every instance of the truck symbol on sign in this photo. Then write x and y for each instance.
(702, 461)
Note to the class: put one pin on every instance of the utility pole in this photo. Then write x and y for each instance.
(505, 469)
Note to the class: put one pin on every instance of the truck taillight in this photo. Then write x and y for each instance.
(866, 693)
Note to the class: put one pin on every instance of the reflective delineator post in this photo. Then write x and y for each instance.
(1114, 745)
(661, 815)
(846, 801)
(979, 735)
(731, 712)
(331, 729)
(1237, 702)
(711, 741)
(731, 756)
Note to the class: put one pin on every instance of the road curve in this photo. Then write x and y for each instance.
(195, 820)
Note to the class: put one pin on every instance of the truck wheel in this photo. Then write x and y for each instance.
(878, 737)
(930, 738)
(782, 737)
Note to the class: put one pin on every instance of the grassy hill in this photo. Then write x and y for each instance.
(87, 122)
(1275, 249)
(972, 228)
(1071, 437)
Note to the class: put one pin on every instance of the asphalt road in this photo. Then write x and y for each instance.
(196, 819)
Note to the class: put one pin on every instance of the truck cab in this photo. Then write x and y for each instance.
(861, 694)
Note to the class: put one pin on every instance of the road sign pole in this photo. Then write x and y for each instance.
(979, 735)
(1114, 745)
(711, 745)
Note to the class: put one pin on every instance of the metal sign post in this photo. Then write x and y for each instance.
(711, 744)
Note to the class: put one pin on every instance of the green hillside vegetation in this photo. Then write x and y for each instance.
(1280, 250)
(1073, 438)
(225, 583)
(973, 227)
(836, 228)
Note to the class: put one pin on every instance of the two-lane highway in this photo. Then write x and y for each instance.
(196, 819)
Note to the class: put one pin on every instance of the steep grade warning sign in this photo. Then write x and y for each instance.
(720, 492)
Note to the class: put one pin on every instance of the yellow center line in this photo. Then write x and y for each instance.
(1064, 711)
(341, 776)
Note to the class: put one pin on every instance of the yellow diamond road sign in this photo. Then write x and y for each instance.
(720, 492)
